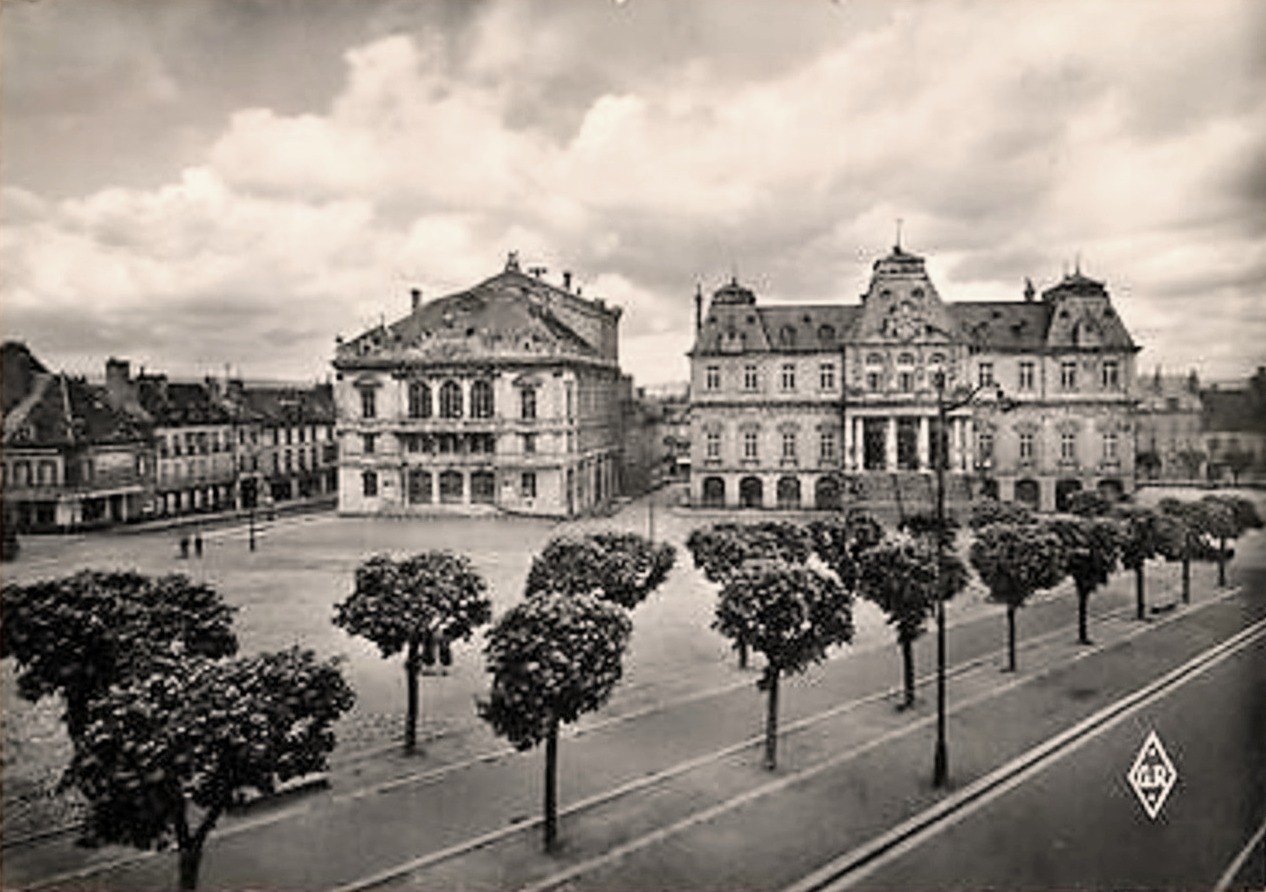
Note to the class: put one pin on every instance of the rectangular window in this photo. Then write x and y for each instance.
(1068, 375)
(905, 381)
(368, 407)
(1026, 375)
(369, 484)
(751, 380)
(789, 445)
(527, 402)
(788, 376)
(826, 444)
(826, 376)
(712, 445)
(1110, 446)
(872, 381)
(984, 448)
(1068, 446)
(1026, 446)
(985, 373)
(370, 444)
(529, 443)
(527, 484)
(1111, 374)
(712, 377)
(750, 445)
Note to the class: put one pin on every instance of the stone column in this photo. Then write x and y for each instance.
(847, 434)
(955, 444)
(925, 452)
(890, 444)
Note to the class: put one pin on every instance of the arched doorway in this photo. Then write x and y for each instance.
(1027, 492)
(751, 492)
(988, 488)
(451, 487)
(1064, 490)
(713, 492)
(826, 494)
(788, 492)
(1112, 489)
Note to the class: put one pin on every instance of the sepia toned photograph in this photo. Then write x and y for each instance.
(633, 445)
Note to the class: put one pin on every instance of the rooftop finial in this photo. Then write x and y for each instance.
(512, 262)
(1077, 264)
(897, 247)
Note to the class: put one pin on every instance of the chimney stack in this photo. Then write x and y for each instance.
(415, 295)
(567, 280)
(698, 308)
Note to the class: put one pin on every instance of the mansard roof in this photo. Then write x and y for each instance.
(179, 403)
(291, 405)
(510, 314)
(999, 325)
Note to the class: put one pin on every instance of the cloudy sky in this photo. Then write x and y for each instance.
(191, 183)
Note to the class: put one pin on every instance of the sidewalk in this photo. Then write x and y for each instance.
(487, 809)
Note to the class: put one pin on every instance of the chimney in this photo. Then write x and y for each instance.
(415, 295)
(119, 384)
(1029, 290)
(567, 280)
(537, 271)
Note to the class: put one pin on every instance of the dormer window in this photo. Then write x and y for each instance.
(787, 336)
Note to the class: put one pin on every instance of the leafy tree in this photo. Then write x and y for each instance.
(840, 541)
(789, 613)
(1238, 460)
(1149, 462)
(552, 658)
(992, 511)
(431, 598)
(901, 579)
(1014, 562)
(1089, 503)
(719, 550)
(1143, 537)
(1092, 550)
(1186, 527)
(620, 567)
(160, 758)
(1227, 517)
(1191, 460)
(80, 634)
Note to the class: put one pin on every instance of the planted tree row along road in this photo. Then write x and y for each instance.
(359, 835)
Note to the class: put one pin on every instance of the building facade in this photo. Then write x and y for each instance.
(811, 406)
(71, 459)
(504, 397)
(1169, 442)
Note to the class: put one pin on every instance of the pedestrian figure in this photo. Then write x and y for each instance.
(184, 545)
(197, 543)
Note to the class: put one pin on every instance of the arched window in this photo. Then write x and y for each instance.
(826, 334)
(481, 405)
(450, 400)
(1028, 492)
(826, 494)
(788, 492)
(905, 359)
(419, 486)
(483, 487)
(751, 492)
(875, 359)
(419, 400)
(451, 487)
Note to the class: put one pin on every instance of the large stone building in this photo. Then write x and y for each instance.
(504, 396)
(815, 405)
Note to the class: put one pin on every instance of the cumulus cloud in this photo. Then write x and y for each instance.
(650, 146)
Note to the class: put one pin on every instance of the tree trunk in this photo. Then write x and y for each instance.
(190, 861)
(742, 649)
(1222, 562)
(551, 788)
(907, 664)
(411, 683)
(1186, 578)
(1010, 638)
(1083, 633)
(1140, 603)
(771, 722)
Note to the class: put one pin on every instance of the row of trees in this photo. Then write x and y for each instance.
(168, 726)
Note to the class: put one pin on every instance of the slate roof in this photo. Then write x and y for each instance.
(64, 411)
(996, 325)
(292, 405)
(506, 314)
(175, 404)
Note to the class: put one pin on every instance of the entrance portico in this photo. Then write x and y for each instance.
(903, 441)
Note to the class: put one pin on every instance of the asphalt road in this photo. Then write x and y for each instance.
(1078, 824)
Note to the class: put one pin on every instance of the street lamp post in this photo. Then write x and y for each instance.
(252, 517)
(940, 764)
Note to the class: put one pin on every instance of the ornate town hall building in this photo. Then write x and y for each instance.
(815, 405)
(504, 396)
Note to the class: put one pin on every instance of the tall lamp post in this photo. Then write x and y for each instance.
(940, 764)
